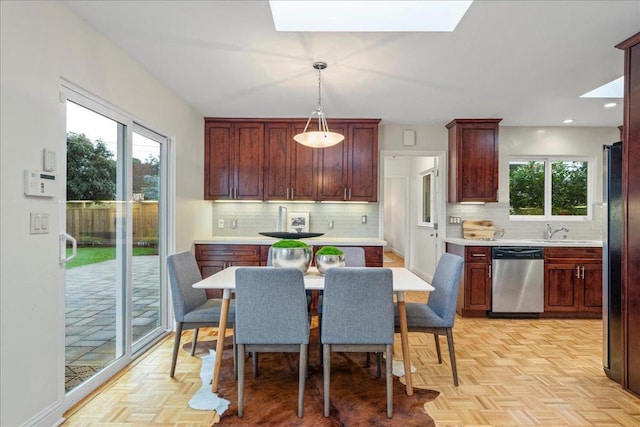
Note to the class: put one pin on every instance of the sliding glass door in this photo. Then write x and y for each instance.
(116, 204)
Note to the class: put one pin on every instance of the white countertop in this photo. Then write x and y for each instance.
(526, 242)
(315, 241)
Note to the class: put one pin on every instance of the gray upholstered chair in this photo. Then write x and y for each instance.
(354, 256)
(438, 315)
(271, 316)
(358, 317)
(191, 307)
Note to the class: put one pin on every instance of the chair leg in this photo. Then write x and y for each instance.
(235, 357)
(438, 347)
(452, 356)
(254, 357)
(326, 350)
(320, 340)
(379, 364)
(195, 340)
(389, 369)
(176, 345)
(240, 380)
(302, 375)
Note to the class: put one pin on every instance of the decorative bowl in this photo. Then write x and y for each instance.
(299, 258)
(327, 261)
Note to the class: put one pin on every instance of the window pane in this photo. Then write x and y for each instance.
(526, 188)
(569, 188)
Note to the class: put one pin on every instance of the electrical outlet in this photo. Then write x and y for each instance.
(234, 223)
(221, 223)
(455, 220)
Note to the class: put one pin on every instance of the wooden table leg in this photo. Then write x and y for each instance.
(404, 339)
(222, 328)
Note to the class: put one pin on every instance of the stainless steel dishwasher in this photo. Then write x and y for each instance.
(518, 280)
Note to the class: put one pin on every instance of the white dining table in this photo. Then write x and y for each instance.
(403, 281)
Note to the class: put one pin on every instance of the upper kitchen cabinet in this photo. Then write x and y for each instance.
(234, 157)
(349, 171)
(473, 160)
(290, 168)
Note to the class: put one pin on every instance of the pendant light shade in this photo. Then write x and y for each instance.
(322, 137)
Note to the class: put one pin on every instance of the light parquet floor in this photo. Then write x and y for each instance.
(513, 372)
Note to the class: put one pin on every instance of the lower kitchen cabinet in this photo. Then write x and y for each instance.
(573, 282)
(213, 258)
(474, 296)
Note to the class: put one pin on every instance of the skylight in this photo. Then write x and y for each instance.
(614, 89)
(368, 16)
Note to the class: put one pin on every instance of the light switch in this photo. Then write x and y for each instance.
(39, 223)
(221, 223)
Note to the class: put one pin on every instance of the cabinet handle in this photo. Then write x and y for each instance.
(344, 193)
(292, 193)
(489, 271)
(349, 193)
(582, 271)
(226, 253)
(578, 271)
(479, 255)
(287, 196)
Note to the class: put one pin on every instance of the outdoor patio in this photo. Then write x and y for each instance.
(90, 313)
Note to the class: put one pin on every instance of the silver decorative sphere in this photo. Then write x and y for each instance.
(327, 261)
(299, 258)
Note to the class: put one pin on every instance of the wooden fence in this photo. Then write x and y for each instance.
(94, 223)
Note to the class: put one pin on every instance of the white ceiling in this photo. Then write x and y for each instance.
(524, 61)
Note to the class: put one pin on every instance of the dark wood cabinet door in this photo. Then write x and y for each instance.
(332, 172)
(277, 161)
(478, 164)
(473, 160)
(374, 256)
(477, 285)
(363, 163)
(303, 169)
(592, 288)
(562, 287)
(249, 161)
(219, 171)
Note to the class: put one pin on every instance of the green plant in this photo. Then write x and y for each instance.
(329, 250)
(289, 243)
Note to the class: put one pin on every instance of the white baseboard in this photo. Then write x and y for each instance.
(49, 417)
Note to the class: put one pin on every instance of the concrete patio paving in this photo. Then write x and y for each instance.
(90, 327)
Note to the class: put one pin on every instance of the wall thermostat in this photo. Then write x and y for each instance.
(39, 183)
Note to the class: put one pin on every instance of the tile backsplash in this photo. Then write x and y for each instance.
(499, 214)
(254, 217)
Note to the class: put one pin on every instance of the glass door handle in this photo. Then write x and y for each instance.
(64, 238)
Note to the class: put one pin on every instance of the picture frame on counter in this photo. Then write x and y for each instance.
(298, 222)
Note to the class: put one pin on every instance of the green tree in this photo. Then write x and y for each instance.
(526, 188)
(569, 188)
(151, 188)
(141, 170)
(91, 169)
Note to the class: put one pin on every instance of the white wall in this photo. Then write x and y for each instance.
(42, 42)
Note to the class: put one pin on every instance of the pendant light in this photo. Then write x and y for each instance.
(322, 137)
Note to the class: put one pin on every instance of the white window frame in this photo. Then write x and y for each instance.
(591, 165)
(421, 223)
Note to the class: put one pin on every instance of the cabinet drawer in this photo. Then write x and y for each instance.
(228, 253)
(568, 255)
(477, 254)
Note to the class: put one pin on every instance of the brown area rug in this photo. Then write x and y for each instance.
(358, 398)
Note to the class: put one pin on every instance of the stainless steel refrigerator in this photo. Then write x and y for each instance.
(612, 261)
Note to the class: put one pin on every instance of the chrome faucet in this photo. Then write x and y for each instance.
(551, 233)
